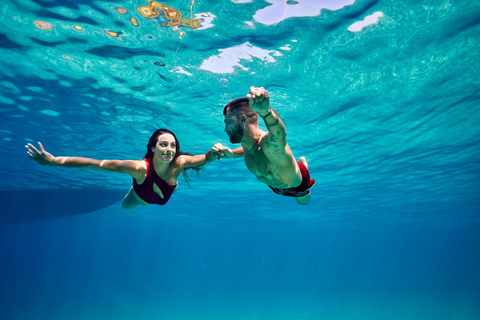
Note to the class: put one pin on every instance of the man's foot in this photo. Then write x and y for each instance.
(304, 161)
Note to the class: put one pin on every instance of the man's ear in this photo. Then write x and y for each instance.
(244, 118)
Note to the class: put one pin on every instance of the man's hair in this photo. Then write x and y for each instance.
(240, 106)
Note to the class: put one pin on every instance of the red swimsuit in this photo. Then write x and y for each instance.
(303, 189)
(145, 190)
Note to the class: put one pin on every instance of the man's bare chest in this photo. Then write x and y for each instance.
(273, 173)
(258, 163)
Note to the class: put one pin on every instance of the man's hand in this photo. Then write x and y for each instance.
(41, 156)
(259, 100)
(222, 152)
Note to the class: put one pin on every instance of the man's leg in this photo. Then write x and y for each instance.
(306, 198)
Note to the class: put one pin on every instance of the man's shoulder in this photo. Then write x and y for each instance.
(276, 155)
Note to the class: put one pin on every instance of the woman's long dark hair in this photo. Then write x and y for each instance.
(153, 141)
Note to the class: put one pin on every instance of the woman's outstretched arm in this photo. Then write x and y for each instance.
(187, 161)
(134, 168)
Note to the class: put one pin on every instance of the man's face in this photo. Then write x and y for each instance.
(233, 128)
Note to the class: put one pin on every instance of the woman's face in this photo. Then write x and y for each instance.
(165, 147)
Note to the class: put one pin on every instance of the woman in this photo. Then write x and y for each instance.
(154, 178)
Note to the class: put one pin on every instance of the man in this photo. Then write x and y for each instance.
(267, 154)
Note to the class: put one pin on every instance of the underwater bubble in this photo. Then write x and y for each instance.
(223, 83)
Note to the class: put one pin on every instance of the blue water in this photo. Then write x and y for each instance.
(386, 114)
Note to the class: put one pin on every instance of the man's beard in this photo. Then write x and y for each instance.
(237, 135)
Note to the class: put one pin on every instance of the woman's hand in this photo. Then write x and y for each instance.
(41, 156)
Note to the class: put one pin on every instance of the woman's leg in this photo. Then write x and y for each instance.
(130, 201)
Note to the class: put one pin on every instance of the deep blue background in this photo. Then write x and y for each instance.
(387, 118)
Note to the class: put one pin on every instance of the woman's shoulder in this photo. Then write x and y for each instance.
(179, 161)
(139, 165)
(139, 169)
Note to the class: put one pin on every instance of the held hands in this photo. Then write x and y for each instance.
(259, 100)
(222, 152)
(41, 156)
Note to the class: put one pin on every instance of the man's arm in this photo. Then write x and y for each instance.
(259, 101)
(237, 152)
(227, 153)
(278, 132)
